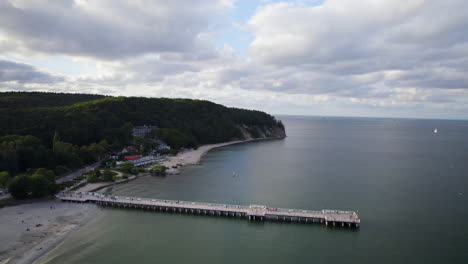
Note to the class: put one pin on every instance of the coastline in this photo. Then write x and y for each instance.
(194, 156)
(29, 231)
(56, 224)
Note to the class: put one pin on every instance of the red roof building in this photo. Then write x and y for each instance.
(132, 157)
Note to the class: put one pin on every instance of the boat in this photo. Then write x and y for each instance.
(234, 174)
(435, 130)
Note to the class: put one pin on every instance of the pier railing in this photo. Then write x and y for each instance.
(253, 212)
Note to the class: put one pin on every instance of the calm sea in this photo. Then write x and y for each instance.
(409, 185)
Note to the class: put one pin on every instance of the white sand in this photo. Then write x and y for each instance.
(193, 156)
(47, 228)
(21, 246)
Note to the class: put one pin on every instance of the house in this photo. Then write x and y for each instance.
(114, 156)
(129, 150)
(142, 131)
(130, 158)
(162, 145)
(144, 161)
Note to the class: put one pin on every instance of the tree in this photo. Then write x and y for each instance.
(158, 170)
(20, 187)
(127, 167)
(49, 174)
(4, 179)
(92, 178)
(176, 138)
(61, 170)
(107, 175)
(75, 129)
(97, 172)
(55, 139)
(40, 186)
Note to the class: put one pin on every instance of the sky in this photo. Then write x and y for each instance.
(373, 58)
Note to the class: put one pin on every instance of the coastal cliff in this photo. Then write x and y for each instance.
(255, 132)
(49, 130)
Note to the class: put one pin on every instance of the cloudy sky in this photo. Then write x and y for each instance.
(381, 58)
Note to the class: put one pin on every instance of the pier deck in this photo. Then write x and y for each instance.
(252, 212)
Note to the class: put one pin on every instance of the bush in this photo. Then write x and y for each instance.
(127, 167)
(107, 176)
(20, 187)
(48, 174)
(92, 178)
(4, 179)
(158, 170)
(40, 186)
(61, 170)
(66, 184)
(135, 171)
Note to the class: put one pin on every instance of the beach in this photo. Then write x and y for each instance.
(29, 231)
(193, 156)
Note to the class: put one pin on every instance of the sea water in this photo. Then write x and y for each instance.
(408, 184)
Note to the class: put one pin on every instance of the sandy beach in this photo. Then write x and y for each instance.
(29, 231)
(193, 156)
(48, 222)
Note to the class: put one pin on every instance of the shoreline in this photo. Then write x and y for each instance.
(30, 246)
(194, 156)
(29, 231)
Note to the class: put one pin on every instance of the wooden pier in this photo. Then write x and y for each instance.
(335, 218)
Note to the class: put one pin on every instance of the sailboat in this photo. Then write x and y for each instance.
(435, 130)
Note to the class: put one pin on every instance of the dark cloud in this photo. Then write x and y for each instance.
(23, 73)
(107, 29)
(369, 54)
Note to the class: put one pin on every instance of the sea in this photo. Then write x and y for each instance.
(408, 184)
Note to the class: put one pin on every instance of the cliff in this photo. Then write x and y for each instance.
(82, 119)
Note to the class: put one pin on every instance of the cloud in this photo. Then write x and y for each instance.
(23, 73)
(339, 56)
(342, 39)
(107, 29)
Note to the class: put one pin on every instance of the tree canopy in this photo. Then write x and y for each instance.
(60, 132)
(83, 122)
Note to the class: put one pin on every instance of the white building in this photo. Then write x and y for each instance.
(144, 161)
(142, 131)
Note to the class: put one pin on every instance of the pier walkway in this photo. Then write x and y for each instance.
(253, 212)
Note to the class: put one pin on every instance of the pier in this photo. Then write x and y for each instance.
(336, 218)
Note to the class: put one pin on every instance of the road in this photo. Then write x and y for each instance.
(78, 173)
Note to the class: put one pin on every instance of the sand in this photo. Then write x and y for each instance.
(47, 228)
(193, 156)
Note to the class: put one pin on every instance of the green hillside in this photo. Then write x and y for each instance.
(85, 126)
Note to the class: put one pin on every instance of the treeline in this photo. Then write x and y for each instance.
(34, 184)
(21, 153)
(61, 132)
(112, 118)
(43, 99)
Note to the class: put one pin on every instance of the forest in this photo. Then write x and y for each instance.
(62, 132)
